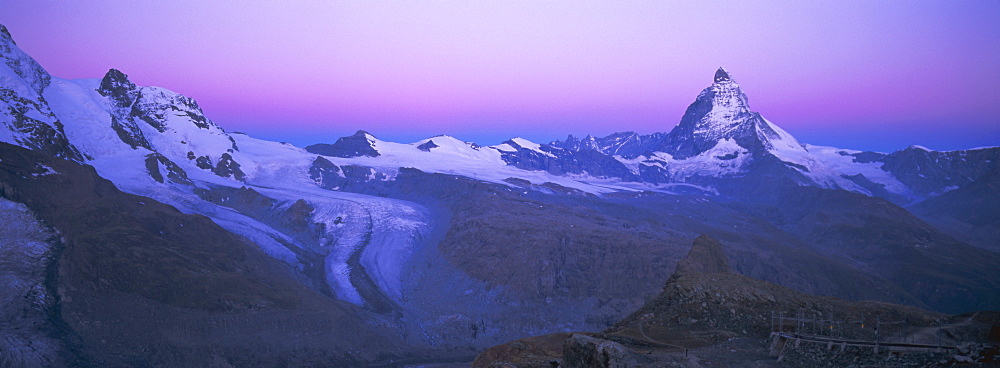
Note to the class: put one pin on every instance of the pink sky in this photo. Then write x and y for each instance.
(856, 74)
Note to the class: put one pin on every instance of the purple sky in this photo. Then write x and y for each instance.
(854, 74)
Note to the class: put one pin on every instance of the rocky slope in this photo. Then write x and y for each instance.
(704, 304)
(969, 212)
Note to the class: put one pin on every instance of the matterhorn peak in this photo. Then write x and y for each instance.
(722, 112)
(722, 75)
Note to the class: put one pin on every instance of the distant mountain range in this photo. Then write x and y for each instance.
(444, 245)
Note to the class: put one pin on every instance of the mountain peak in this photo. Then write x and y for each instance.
(706, 256)
(361, 143)
(722, 112)
(32, 74)
(116, 85)
(722, 75)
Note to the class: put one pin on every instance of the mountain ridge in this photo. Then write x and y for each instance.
(440, 241)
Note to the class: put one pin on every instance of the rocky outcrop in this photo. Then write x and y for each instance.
(157, 164)
(122, 94)
(228, 167)
(427, 146)
(706, 256)
(582, 351)
(326, 174)
(116, 86)
(359, 144)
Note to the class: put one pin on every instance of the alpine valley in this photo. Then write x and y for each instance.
(138, 232)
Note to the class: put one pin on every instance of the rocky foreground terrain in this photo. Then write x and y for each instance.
(709, 316)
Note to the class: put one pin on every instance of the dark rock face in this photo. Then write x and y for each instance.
(227, 167)
(326, 174)
(721, 75)
(174, 173)
(122, 94)
(129, 133)
(426, 147)
(865, 157)
(116, 86)
(203, 162)
(352, 146)
(43, 136)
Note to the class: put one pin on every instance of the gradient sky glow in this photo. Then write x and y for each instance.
(877, 75)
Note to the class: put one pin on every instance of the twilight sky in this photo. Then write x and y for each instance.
(877, 75)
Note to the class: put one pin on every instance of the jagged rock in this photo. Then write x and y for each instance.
(26, 130)
(129, 133)
(203, 162)
(119, 88)
(174, 172)
(625, 144)
(227, 167)
(706, 256)
(326, 174)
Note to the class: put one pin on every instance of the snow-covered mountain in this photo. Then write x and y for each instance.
(136, 134)
(324, 210)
